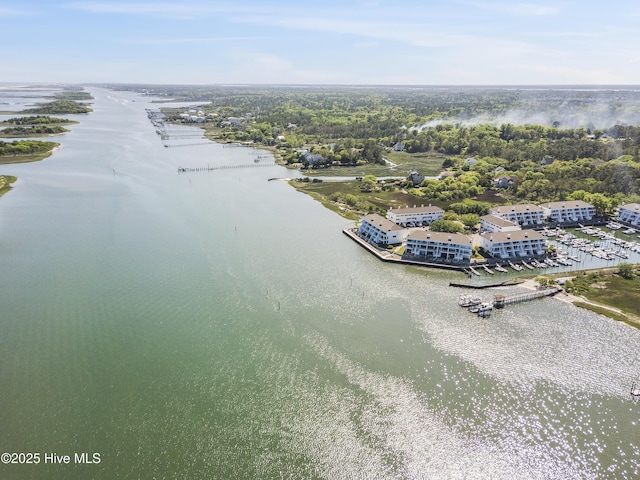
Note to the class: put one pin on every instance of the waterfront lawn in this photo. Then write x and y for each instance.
(427, 164)
(357, 203)
(617, 292)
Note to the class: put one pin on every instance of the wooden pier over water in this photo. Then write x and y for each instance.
(210, 168)
(499, 300)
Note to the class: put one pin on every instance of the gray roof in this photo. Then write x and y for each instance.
(516, 235)
(400, 211)
(525, 207)
(498, 221)
(566, 204)
(631, 206)
(440, 237)
(381, 222)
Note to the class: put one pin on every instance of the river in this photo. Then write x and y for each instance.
(216, 325)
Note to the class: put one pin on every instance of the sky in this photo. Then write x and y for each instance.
(353, 42)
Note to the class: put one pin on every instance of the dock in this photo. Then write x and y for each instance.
(484, 309)
(506, 283)
(210, 168)
(488, 270)
(500, 301)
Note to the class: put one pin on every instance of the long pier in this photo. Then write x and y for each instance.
(166, 145)
(210, 168)
(500, 300)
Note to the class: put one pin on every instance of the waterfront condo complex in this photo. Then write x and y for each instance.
(629, 214)
(416, 216)
(438, 247)
(569, 211)
(525, 215)
(493, 223)
(517, 244)
(376, 229)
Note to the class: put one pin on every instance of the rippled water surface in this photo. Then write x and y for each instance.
(217, 325)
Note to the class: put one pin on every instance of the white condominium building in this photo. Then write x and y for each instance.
(526, 215)
(493, 223)
(377, 229)
(439, 246)
(414, 217)
(629, 214)
(569, 211)
(510, 245)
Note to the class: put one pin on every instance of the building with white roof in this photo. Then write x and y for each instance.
(493, 223)
(525, 215)
(569, 211)
(416, 216)
(438, 246)
(378, 230)
(629, 214)
(513, 245)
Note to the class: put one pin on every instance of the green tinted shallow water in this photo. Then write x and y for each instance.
(216, 325)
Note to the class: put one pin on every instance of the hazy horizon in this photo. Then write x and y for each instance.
(352, 42)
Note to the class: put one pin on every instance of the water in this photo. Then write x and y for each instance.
(216, 325)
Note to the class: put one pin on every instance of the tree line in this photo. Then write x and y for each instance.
(35, 120)
(32, 130)
(59, 107)
(24, 147)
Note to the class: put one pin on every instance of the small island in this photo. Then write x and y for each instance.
(32, 131)
(23, 151)
(35, 120)
(59, 107)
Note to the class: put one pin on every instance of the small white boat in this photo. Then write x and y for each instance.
(469, 300)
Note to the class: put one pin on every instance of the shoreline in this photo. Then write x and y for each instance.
(27, 158)
(527, 282)
(582, 302)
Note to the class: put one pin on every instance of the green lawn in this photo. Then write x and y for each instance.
(617, 292)
(321, 191)
(427, 164)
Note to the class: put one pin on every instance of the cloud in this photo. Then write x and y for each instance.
(270, 68)
(516, 8)
(413, 34)
(196, 40)
(14, 12)
(173, 10)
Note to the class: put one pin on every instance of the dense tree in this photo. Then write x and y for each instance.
(448, 226)
(23, 147)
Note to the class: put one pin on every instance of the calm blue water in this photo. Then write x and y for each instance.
(217, 325)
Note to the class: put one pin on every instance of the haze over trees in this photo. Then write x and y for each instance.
(550, 144)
